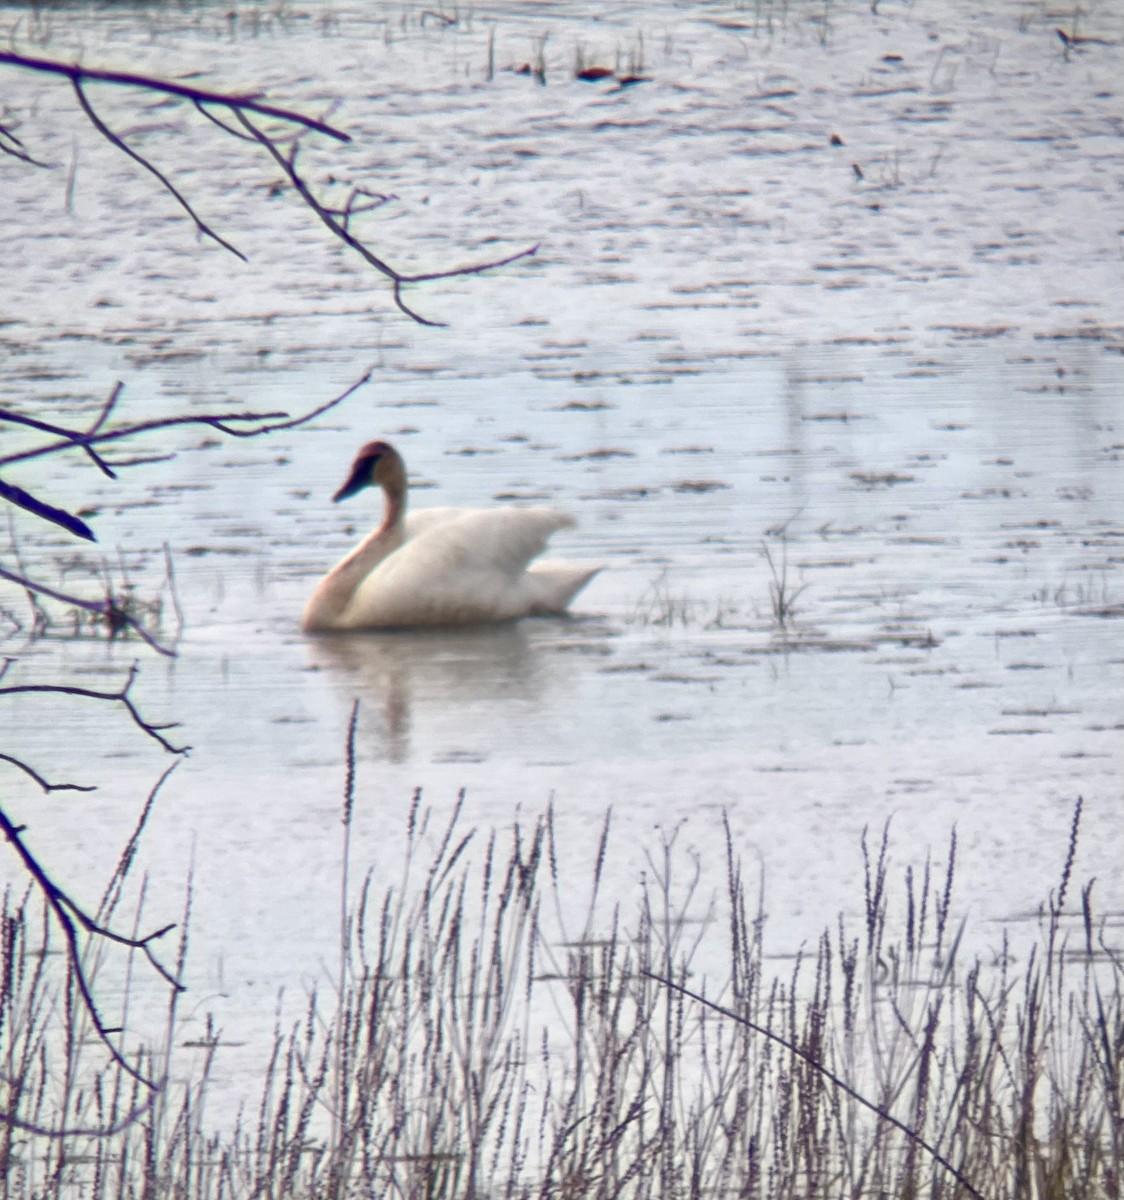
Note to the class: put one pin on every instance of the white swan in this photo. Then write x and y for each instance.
(440, 566)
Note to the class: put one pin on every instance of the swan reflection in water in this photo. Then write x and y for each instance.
(456, 692)
(441, 566)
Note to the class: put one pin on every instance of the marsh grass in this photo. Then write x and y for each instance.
(492, 1035)
(783, 593)
(663, 606)
(110, 602)
(1091, 595)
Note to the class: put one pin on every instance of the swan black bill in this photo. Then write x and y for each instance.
(359, 478)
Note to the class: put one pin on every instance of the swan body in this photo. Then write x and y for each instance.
(441, 566)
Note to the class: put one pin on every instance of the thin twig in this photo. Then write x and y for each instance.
(41, 781)
(140, 160)
(101, 608)
(46, 512)
(287, 163)
(247, 100)
(70, 916)
(816, 1065)
(78, 1131)
(121, 696)
(12, 145)
(242, 108)
(72, 435)
(268, 422)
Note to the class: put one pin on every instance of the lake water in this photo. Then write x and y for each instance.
(849, 289)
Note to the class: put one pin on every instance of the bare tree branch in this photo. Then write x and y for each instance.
(228, 423)
(140, 159)
(108, 609)
(47, 512)
(94, 1131)
(248, 100)
(12, 145)
(340, 228)
(282, 149)
(122, 695)
(72, 435)
(43, 783)
(70, 917)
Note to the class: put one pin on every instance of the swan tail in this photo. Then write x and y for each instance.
(553, 585)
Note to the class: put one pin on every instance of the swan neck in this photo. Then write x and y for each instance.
(327, 607)
(394, 490)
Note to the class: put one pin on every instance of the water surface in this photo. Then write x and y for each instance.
(848, 292)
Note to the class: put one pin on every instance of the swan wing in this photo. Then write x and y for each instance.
(463, 566)
(425, 520)
(499, 539)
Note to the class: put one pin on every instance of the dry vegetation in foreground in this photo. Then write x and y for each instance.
(479, 1047)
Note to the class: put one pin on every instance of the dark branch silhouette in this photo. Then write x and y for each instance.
(60, 439)
(228, 423)
(156, 732)
(71, 917)
(832, 1078)
(41, 780)
(47, 512)
(282, 147)
(12, 145)
(248, 101)
(141, 161)
(338, 222)
(80, 438)
(115, 615)
(69, 1131)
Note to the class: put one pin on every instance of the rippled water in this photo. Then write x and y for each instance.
(848, 290)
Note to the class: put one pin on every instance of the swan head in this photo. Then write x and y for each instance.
(378, 464)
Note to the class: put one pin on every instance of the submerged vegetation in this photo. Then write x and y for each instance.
(481, 1045)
